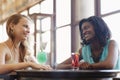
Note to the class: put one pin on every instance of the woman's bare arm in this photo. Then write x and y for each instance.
(6, 68)
(67, 64)
(111, 60)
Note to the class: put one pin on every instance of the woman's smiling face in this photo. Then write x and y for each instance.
(88, 31)
(22, 29)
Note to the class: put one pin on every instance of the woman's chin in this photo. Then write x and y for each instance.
(87, 39)
(25, 38)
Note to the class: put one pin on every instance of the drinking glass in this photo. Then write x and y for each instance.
(75, 61)
(42, 57)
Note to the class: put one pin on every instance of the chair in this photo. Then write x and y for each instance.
(116, 78)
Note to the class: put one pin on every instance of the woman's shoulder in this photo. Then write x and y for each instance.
(113, 42)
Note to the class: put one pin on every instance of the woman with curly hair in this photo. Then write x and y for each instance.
(98, 51)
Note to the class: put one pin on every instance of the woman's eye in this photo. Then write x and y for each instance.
(86, 27)
(25, 26)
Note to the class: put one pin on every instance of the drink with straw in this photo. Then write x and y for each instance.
(75, 61)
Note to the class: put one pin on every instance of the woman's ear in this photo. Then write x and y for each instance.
(11, 26)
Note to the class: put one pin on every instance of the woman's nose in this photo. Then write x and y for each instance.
(28, 30)
(84, 31)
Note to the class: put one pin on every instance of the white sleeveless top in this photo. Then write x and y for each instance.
(28, 57)
(11, 60)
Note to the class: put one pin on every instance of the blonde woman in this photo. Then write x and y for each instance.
(14, 52)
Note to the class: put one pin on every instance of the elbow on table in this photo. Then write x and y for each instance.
(102, 66)
(109, 66)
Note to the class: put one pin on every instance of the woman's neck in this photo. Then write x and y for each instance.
(13, 43)
(95, 44)
(96, 50)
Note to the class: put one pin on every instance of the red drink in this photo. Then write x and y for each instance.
(75, 60)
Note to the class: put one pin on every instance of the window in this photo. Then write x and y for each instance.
(111, 14)
(63, 30)
(63, 44)
(41, 33)
(63, 12)
(44, 30)
(108, 6)
(47, 6)
(113, 22)
(3, 33)
(34, 9)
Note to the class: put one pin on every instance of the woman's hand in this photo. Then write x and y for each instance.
(39, 66)
(84, 65)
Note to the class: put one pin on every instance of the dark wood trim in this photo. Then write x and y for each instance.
(97, 6)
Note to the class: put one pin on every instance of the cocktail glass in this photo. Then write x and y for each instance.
(42, 57)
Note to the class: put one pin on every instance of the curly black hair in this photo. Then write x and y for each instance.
(102, 32)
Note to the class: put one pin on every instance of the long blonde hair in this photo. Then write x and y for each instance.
(14, 19)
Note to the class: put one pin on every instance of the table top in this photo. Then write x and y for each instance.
(68, 73)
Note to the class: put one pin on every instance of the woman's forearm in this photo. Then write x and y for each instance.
(6, 68)
(64, 66)
(101, 65)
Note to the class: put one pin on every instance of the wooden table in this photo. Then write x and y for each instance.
(66, 74)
